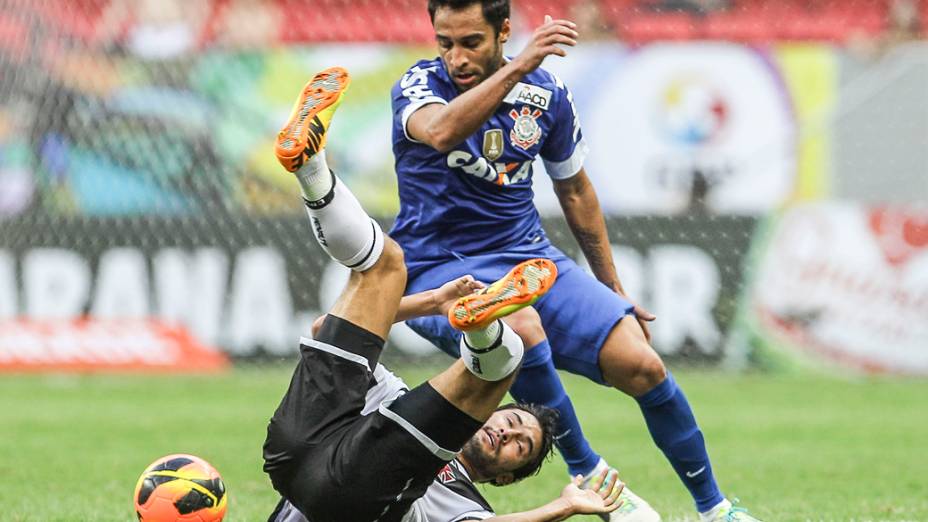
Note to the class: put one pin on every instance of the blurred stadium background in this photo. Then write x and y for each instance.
(763, 165)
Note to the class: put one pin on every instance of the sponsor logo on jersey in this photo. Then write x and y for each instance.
(529, 95)
(493, 144)
(496, 172)
(526, 131)
(446, 475)
(415, 83)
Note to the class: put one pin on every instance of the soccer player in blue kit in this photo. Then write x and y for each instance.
(467, 127)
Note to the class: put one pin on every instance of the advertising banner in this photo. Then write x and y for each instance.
(845, 286)
(93, 344)
(253, 287)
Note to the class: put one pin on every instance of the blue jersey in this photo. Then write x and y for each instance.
(477, 197)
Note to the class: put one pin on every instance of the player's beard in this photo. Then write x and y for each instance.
(496, 62)
(492, 65)
(482, 463)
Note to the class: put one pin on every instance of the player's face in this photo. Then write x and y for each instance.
(508, 440)
(468, 45)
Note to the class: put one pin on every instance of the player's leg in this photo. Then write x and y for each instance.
(630, 364)
(470, 390)
(335, 371)
(342, 228)
(490, 350)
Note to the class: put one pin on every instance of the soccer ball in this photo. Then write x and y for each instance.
(180, 488)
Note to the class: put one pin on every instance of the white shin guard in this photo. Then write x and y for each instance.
(496, 362)
(344, 230)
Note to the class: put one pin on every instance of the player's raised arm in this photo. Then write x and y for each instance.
(437, 301)
(585, 218)
(430, 302)
(471, 49)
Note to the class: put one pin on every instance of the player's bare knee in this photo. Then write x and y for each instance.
(646, 373)
(527, 324)
(653, 371)
(391, 260)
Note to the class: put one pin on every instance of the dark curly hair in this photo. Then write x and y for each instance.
(547, 419)
(494, 11)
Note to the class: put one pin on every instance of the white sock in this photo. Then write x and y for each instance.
(315, 178)
(593, 473)
(497, 360)
(343, 229)
(483, 337)
(713, 513)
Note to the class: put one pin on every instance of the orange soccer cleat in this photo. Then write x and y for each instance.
(305, 132)
(521, 287)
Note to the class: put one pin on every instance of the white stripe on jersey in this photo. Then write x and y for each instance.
(569, 167)
(335, 350)
(413, 107)
(429, 444)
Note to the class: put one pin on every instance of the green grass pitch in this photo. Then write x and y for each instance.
(791, 447)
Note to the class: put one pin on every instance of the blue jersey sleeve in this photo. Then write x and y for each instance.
(420, 86)
(564, 149)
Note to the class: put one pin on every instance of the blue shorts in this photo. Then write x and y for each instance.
(578, 313)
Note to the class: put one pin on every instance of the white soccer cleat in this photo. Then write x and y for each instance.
(725, 511)
(633, 508)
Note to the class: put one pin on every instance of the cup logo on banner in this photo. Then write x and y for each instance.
(692, 112)
(705, 127)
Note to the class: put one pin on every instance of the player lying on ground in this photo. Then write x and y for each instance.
(346, 443)
(468, 127)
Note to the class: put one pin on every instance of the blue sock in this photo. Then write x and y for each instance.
(673, 428)
(538, 383)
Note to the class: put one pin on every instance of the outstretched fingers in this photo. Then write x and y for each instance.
(611, 500)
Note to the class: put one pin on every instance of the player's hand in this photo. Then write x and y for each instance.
(546, 40)
(445, 295)
(601, 497)
(641, 313)
(644, 317)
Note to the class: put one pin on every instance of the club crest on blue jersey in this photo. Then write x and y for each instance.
(526, 131)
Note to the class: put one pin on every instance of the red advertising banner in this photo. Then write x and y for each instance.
(846, 285)
(95, 345)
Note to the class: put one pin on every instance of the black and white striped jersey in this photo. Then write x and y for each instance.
(452, 496)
